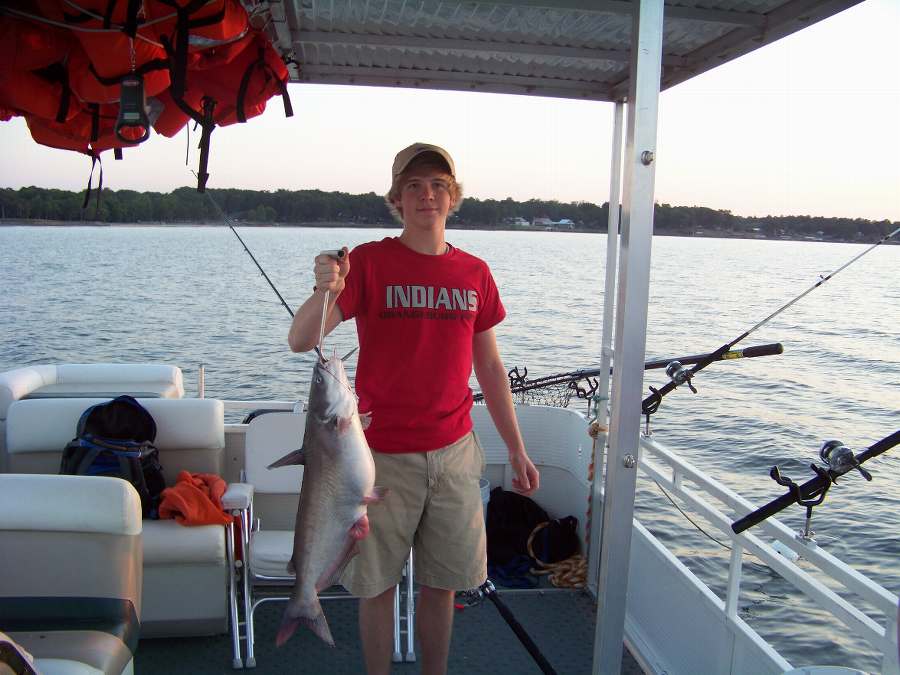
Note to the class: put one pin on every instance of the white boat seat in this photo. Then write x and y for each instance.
(271, 552)
(64, 667)
(73, 380)
(167, 542)
(77, 651)
(100, 378)
(89, 614)
(185, 570)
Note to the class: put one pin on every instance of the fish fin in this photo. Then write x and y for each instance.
(360, 529)
(333, 573)
(378, 494)
(285, 630)
(292, 458)
(310, 616)
(365, 419)
(343, 424)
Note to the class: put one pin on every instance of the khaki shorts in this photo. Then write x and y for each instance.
(433, 507)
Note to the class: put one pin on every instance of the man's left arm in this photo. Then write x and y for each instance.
(494, 383)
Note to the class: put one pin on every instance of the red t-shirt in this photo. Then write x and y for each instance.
(416, 316)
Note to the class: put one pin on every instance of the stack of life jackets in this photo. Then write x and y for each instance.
(95, 75)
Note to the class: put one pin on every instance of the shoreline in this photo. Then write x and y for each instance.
(714, 234)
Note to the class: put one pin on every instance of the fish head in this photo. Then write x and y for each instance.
(330, 393)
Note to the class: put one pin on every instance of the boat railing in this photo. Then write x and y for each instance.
(672, 472)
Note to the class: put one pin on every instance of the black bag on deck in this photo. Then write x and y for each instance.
(556, 541)
(116, 439)
(511, 517)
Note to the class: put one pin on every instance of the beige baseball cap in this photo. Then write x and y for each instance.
(405, 156)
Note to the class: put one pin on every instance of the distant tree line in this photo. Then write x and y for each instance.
(287, 207)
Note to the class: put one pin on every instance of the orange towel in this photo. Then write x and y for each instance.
(195, 499)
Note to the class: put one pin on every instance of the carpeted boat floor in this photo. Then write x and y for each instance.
(561, 624)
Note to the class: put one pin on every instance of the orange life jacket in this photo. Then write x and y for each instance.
(32, 77)
(194, 59)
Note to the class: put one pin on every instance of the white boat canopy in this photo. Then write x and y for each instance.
(577, 49)
(601, 50)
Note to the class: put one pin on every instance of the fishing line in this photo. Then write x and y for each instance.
(337, 254)
(651, 404)
(255, 262)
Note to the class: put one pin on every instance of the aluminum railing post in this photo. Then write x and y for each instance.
(630, 336)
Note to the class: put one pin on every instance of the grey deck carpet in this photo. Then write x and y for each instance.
(561, 624)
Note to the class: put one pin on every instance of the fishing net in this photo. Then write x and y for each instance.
(557, 394)
(553, 390)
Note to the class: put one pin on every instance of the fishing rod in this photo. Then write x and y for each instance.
(678, 374)
(487, 590)
(336, 254)
(252, 257)
(519, 383)
(839, 460)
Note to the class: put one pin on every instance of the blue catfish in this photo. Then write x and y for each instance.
(338, 485)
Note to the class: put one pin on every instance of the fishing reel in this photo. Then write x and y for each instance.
(679, 374)
(840, 459)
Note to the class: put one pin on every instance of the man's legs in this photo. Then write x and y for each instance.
(434, 624)
(376, 631)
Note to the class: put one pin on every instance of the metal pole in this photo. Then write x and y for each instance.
(609, 294)
(201, 381)
(630, 336)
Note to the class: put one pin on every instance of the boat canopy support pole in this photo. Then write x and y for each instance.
(609, 294)
(630, 334)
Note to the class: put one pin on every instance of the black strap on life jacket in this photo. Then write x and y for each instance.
(178, 52)
(95, 121)
(261, 63)
(107, 15)
(131, 19)
(208, 125)
(58, 73)
(95, 159)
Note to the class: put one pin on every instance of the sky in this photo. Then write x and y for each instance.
(809, 125)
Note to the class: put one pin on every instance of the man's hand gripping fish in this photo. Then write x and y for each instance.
(338, 485)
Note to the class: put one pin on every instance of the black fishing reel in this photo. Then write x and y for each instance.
(840, 459)
(473, 596)
(679, 374)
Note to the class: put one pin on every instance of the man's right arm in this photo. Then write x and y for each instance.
(330, 275)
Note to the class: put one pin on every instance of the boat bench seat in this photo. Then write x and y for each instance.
(185, 569)
(70, 555)
(74, 380)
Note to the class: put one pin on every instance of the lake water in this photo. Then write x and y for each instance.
(191, 295)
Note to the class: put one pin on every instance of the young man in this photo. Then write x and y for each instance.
(425, 312)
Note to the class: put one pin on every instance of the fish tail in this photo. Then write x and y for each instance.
(310, 616)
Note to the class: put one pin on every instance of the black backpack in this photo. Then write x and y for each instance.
(116, 439)
(511, 518)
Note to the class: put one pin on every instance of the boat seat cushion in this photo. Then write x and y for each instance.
(82, 504)
(74, 378)
(190, 433)
(64, 667)
(166, 542)
(98, 651)
(271, 550)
